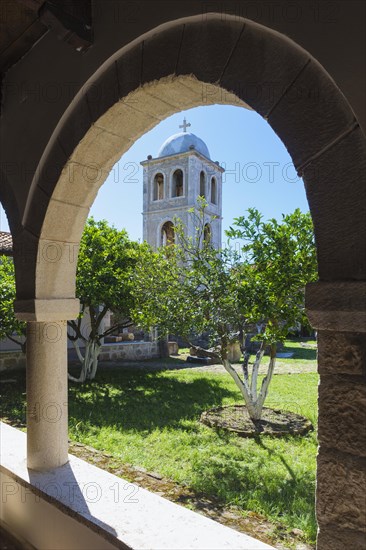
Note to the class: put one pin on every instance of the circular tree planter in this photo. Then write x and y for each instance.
(275, 423)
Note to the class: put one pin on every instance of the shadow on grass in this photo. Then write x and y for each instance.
(126, 398)
(273, 453)
(256, 481)
(160, 364)
(142, 400)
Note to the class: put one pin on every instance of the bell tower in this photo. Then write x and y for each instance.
(172, 182)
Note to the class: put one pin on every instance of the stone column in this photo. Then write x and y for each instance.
(47, 440)
(47, 421)
(338, 311)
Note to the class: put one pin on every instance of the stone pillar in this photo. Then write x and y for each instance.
(338, 312)
(47, 439)
(47, 422)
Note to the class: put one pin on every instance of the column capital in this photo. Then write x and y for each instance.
(337, 306)
(55, 309)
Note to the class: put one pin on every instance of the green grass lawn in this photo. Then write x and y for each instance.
(151, 419)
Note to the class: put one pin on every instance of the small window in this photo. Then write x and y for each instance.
(177, 183)
(213, 191)
(167, 237)
(203, 184)
(158, 187)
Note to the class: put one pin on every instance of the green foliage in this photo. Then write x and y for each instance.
(9, 325)
(104, 282)
(189, 287)
(276, 260)
(192, 287)
(104, 277)
(104, 272)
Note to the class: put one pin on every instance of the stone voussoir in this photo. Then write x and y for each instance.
(340, 242)
(262, 66)
(312, 101)
(206, 49)
(161, 55)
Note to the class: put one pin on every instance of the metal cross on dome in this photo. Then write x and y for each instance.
(185, 125)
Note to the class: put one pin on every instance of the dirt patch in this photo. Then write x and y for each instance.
(251, 523)
(275, 423)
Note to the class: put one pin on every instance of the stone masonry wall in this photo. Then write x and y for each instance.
(341, 479)
(12, 360)
(126, 351)
(131, 351)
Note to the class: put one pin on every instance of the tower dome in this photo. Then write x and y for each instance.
(182, 143)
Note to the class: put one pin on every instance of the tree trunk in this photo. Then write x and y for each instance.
(89, 363)
(267, 379)
(257, 362)
(163, 346)
(253, 402)
(243, 387)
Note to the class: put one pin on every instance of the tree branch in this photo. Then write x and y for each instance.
(212, 354)
(101, 315)
(21, 344)
(128, 323)
(256, 364)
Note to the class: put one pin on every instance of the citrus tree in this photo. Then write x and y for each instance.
(104, 281)
(190, 287)
(10, 327)
(275, 261)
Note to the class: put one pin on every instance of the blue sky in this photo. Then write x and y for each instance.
(259, 171)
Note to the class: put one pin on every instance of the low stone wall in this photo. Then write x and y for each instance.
(125, 351)
(12, 360)
(129, 351)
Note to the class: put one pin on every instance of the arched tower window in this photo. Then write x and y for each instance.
(167, 237)
(177, 183)
(207, 234)
(202, 184)
(158, 187)
(213, 190)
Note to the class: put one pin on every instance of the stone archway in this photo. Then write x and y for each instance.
(256, 67)
(250, 66)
